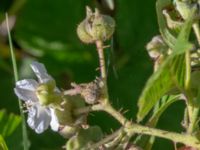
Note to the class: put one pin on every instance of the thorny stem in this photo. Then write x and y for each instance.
(107, 139)
(99, 45)
(130, 128)
(100, 49)
(116, 114)
(85, 110)
(186, 139)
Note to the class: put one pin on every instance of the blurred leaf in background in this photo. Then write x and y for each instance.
(3, 144)
(9, 130)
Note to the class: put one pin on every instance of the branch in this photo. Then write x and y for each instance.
(107, 139)
(131, 128)
(99, 45)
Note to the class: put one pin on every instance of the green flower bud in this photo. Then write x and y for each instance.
(92, 91)
(69, 123)
(185, 7)
(84, 138)
(47, 94)
(95, 27)
(157, 47)
(172, 21)
(68, 131)
(157, 50)
(64, 113)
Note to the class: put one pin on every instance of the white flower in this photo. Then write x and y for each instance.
(39, 116)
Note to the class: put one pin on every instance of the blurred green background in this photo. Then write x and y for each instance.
(45, 30)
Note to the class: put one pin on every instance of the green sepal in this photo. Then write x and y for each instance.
(46, 93)
(85, 138)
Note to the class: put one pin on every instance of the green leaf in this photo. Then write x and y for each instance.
(9, 130)
(145, 141)
(160, 107)
(167, 36)
(174, 71)
(8, 123)
(3, 145)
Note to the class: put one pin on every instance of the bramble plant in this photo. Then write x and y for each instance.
(176, 77)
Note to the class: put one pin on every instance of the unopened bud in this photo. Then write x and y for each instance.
(95, 27)
(70, 123)
(92, 92)
(156, 47)
(172, 21)
(68, 131)
(185, 7)
(84, 138)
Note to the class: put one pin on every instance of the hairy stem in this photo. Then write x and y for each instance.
(100, 49)
(85, 110)
(99, 45)
(107, 139)
(132, 128)
(116, 114)
(186, 139)
(129, 127)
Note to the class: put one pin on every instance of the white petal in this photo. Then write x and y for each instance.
(41, 72)
(41, 120)
(54, 121)
(25, 89)
(40, 128)
(32, 112)
(25, 94)
(27, 84)
(30, 122)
